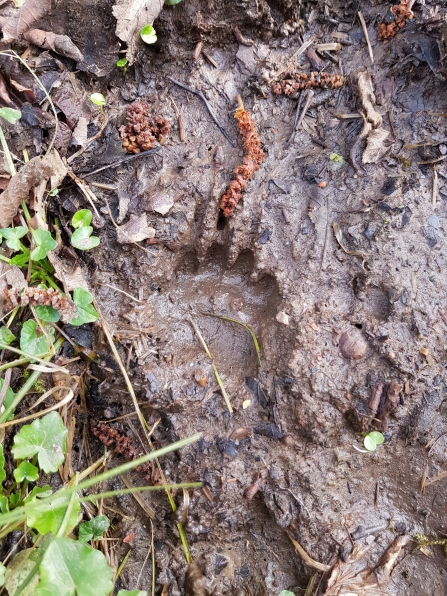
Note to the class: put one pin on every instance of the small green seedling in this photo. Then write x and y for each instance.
(86, 310)
(286, 593)
(82, 238)
(373, 439)
(336, 161)
(98, 99)
(10, 115)
(123, 64)
(172, 2)
(93, 529)
(148, 34)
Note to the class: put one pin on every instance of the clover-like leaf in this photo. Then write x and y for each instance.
(32, 339)
(12, 236)
(45, 437)
(47, 313)
(369, 443)
(26, 470)
(98, 99)
(81, 218)
(122, 63)
(86, 310)
(50, 521)
(70, 568)
(82, 238)
(93, 529)
(6, 337)
(44, 243)
(377, 437)
(148, 34)
(38, 492)
(2, 466)
(11, 115)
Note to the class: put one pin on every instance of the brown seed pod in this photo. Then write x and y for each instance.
(200, 377)
(352, 344)
(240, 433)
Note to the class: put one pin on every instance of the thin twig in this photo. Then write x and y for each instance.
(122, 292)
(308, 96)
(122, 160)
(203, 98)
(365, 33)
(435, 186)
(85, 190)
(88, 142)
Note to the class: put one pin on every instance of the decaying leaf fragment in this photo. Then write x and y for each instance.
(132, 16)
(373, 131)
(135, 230)
(351, 578)
(22, 18)
(61, 44)
(38, 170)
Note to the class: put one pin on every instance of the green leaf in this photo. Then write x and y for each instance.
(172, 2)
(122, 63)
(2, 466)
(2, 574)
(86, 310)
(21, 260)
(83, 239)
(32, 340)
(4, 505)
(45, 437)
(377, 437)
(47, 313)
(38, 491)
(9, 397)
(50, 521)
(82, 218)
(18, 571)
(98, 99)
(93, 529)
(13, 235)
(14, 499)
(26, 470)
(286, 593)
(44, 243)
(132, 593)
(369, 443)
(6, 337)
(148, 34)
(12, 116)
(70, 568)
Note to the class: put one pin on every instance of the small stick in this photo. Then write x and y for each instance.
(315, 61)
(365, 33)
(308, 96)
(122, 160)
(181, 128)
(240, 38)
(210, 59)
(203, 98)
(435, 186)
(197, 51)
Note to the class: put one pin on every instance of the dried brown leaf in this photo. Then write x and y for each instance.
(39, 169)
(132, 16)
(61, 44)
(22, 19)
(135, 230)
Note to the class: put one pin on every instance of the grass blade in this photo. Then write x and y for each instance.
(253, 336)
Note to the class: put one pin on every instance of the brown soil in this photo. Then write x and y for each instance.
(277, 267)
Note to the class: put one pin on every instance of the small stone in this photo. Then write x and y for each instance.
(352, 344)
(288, 441)
(200, 377)
(282, 318)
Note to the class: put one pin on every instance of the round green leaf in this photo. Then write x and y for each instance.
(377, 437)
(81, 218)
(82, 239)
(286, 593)
(50, 521)
(32, 340)
(93, 529)
(122, 63)
(70, 568)
(98, 99)
(13, 235)
(47, 313)
(18, 571)
(369, 443)
(11, 115)
(86, 310)
(6, 337)
(172, 2)
(148, 34)
(26, 470)
(45, 437)
(44, 243)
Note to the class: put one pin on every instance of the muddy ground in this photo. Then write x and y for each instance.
(276, 266)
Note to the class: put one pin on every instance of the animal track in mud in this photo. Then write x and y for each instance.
(212, 288)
